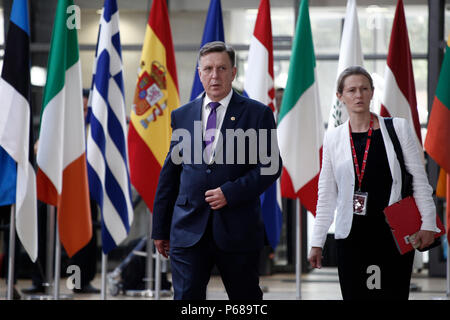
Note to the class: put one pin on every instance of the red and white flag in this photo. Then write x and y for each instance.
(399, 97)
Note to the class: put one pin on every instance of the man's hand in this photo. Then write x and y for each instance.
(215, 198)
(163, 247)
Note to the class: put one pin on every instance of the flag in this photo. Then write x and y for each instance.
(350, 54)
(62, 175)
(441, 185)
(107, 156)
(399, 96)
(438, 129)
(213, 32)
(300, 125)
(155, 97)
(258, 85)
(17, 175)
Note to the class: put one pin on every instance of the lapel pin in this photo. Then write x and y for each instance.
(233, 118)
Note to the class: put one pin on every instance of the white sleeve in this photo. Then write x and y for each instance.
(327, 197)
(413, 161)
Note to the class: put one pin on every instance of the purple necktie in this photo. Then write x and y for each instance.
(210, 128)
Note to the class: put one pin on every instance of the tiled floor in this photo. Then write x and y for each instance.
(318, 285)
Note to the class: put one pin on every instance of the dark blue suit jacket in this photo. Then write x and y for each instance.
(180, 212)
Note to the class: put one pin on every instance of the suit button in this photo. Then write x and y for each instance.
(208, 170)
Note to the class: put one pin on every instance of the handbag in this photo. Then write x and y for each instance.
(407, 187)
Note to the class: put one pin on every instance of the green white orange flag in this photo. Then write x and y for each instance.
(62, 176)
(155, 97)
(300, 125)
(438, 131)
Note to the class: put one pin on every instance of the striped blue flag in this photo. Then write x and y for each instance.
(17, 175)
(213, 32)
(109, 181)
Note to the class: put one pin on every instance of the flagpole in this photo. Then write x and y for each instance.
(150, 276)
(50, 248)
(157, 276)
(298, 262)
(12, 252)
(104, 265)
(57, 262)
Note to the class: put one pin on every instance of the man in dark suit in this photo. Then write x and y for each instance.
(207, 208)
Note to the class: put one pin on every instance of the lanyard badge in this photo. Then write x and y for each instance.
(359, 197)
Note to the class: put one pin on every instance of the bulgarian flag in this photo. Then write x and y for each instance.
(438, 131)
(62, 176)
(300, 125)
(155, 97)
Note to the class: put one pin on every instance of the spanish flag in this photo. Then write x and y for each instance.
(438, 130)
(155, 97)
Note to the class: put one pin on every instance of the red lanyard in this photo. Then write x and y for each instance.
(366, 152)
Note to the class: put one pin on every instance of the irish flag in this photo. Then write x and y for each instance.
(300, 125)
(436, 142)
(62, 176)
(155, 97)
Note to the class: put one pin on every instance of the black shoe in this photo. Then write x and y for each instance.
(33, 289)
(87, 289)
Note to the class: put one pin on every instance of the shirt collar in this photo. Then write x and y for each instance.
(224, 102)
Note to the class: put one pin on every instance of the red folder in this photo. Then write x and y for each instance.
(404, 219)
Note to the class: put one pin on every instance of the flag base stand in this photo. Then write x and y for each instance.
(148, 293)
(47, 297)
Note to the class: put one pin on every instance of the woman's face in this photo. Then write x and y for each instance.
(357, 94)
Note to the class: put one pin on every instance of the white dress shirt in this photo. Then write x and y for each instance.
(220, 115)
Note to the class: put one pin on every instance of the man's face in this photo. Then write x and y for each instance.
(216, 74)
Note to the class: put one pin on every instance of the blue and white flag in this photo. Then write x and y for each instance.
(107, 155)
(213, 32)
(259, 85)
(17, 175)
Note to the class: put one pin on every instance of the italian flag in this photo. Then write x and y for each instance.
(300, 125)
(438, 130)
(62, 176)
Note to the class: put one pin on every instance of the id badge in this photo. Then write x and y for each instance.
(360, 203)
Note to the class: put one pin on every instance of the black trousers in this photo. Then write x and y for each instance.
(191, 270)
(370, 252)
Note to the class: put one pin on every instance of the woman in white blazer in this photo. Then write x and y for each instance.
(369, 263)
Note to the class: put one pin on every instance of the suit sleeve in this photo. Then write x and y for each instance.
(166, 193)
(327, 197)
(261, 176)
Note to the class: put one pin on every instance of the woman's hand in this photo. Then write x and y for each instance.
(315, 257)
(424, 238)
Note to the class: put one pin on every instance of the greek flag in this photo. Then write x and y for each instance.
(109, 182)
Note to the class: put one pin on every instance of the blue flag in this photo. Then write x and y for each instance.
(109, 178)
(213, 32)
(8, 175)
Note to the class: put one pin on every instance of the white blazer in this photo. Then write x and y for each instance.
(337, 180)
